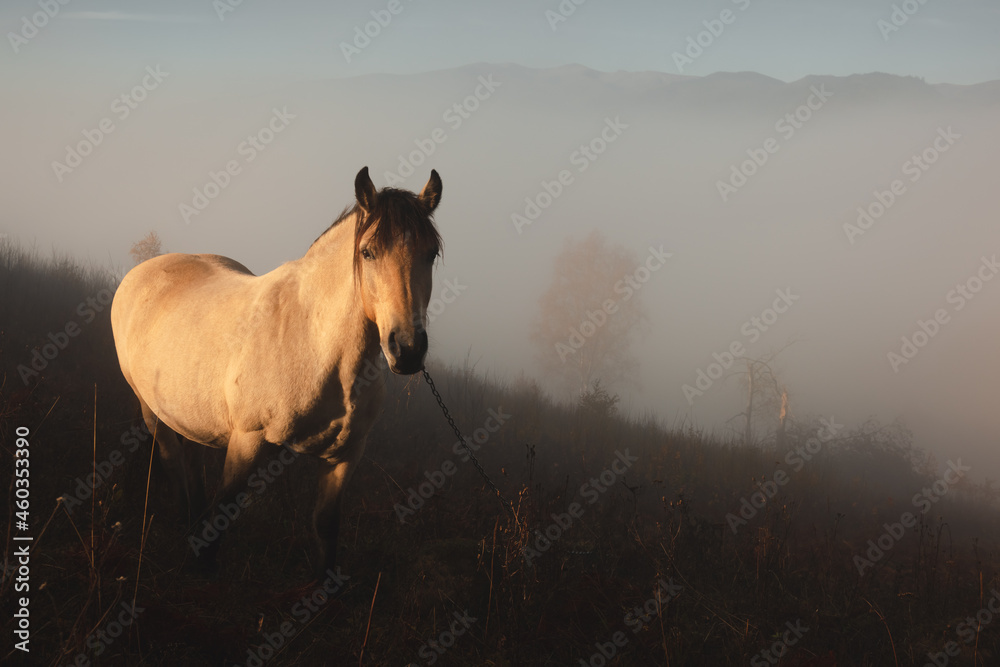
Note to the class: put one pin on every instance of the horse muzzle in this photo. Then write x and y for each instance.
(405, 352)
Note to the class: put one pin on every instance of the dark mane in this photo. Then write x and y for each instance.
(397, 213)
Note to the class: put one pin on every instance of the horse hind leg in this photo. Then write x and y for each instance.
(188, 490)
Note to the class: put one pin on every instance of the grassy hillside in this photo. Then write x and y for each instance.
(651, 546)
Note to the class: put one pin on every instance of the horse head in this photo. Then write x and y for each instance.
(395, 245)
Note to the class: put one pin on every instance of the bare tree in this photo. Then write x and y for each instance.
(146, 248)
(589, 316)
(766, 396)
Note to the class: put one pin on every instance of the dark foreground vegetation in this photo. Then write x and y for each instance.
(644, 559)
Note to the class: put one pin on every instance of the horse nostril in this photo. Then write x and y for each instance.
(422, 340)
(393, 346)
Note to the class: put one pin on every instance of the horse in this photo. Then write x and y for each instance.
(250, 363)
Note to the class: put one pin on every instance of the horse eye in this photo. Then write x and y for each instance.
(431, 256)
(367, 254)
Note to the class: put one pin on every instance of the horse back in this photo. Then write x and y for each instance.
(173, 319)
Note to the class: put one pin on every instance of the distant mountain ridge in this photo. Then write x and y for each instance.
(722, 87)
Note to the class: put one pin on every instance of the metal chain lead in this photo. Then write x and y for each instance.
(507, 505)
(447, 415)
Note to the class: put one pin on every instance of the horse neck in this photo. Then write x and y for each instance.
(342, 334)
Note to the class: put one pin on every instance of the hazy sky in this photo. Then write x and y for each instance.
(954, 41)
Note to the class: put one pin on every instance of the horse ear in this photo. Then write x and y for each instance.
(364, 190)
(431, 194)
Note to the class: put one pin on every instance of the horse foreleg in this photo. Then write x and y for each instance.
(244, 453)
(326, 518)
